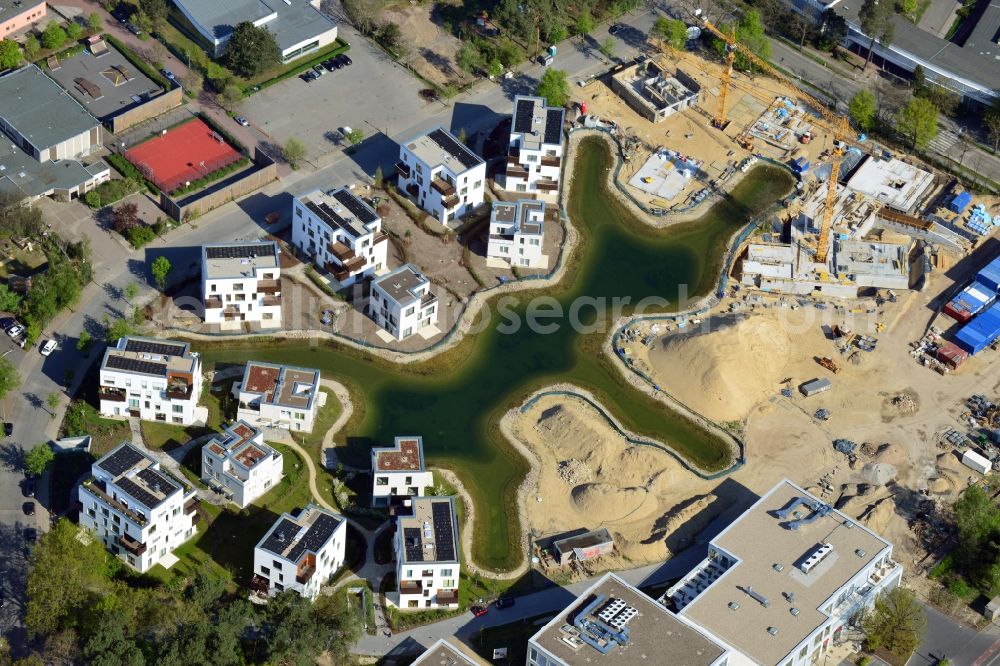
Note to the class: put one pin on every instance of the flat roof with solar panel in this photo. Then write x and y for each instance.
(291, 537)
(440, 148)
(222, 261)
(430, 532)
(343, 210)
(148, 356)
(138, 475)
(535, 125)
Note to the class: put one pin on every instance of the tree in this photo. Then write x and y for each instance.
(74, 30)
(193, 81)
(160, 269)
(9, 301)
(38, 459)
(125, 216)
(53, 403)
(230, 97)
(919, 79)
(554, 87)
(918, 121)
(660, 29)
(833, 29)
(584, 23)
(294, 152)
(363, 13)
(9, 378)
(83, 342)
(391, 37)
(862, 109)
(156, 10)
(378, 179)
(896, 622)
(608, 47)
(31, 46)
(876, 22)
(354, 136)
(252, 50)
(53, 36)
(10, 54)
(131, 291)
(94, 22)
(118, 328)
(469, 58)
(496, 68)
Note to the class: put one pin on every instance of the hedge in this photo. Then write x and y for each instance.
(139, 63)
(330, 51)
(211, 177)
(129, 170)
(111, 191)
(230, 139)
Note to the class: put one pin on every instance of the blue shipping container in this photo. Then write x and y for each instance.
(961, 200)
(989, 275)
(981, 331)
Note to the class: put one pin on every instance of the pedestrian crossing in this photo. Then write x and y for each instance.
(943, 142)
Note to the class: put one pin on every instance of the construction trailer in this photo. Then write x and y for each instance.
(959, 202)
(587, 546)
(976, 461)
(815, 386)
(951, 355)
(981, 332)
(989, 275)
(969, 302)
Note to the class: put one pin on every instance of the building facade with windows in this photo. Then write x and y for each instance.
(427, 555)
(444, 177)
(340, 233)
(399, 471)
(140, 512)
(154, 380)
(300, 552)
(279, 396)
(517, 233)
(402, 303)
(241, 464)
(534, 154)
(19, 15)
(241, 282)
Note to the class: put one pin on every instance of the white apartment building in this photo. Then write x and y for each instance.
(614, 624)
(399, 471)
(300, 552)
(154, 380)
(240, 464)
(534, 156)
(279, 396)
(402, 302)
(427, 556)
(340, 233)
(517, 233)
(241, 282)
(782, 581)
(140, 512)
(442, 174)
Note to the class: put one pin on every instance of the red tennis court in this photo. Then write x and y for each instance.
(185, 153)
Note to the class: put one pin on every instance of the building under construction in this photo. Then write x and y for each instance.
(652, 93)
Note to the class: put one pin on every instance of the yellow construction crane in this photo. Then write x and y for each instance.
(837, 123)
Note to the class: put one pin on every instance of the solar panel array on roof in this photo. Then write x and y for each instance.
(135, 365)
(157, 481)
(444, 539)
(553, 125)
(412, 544)
(314, 538)
(237, 251)
(357, 207)
(151, 347)
(454, 148)
(281, 536)
(522, 115)
(121, 460)
(139, 493)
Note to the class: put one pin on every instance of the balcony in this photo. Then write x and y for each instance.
(513, 161)
(547, 161)
(268, 286)
(178, 392)
(428, 299)
(341, 251)
(99, 490)
(380, 237)
(411, 587)
(260, 586)
(516, 172)
(131, 545)
(514, 153)
(303, 576)
(547, 184)
(111, 393)
(269, 301)
(191, 506)
(502, 237)
(213, 302)
(253, 407)
(447, 597)
(403, 169)
(450, 202)
(444, 188)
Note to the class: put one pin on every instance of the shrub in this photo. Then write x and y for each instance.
(129, 170)
(53, 36)
(140, 235)
(92, 199)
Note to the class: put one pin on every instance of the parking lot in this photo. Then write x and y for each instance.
(365, 95)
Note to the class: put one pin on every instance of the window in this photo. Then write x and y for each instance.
(298, 212)
(277, 564)
(178, 409)
(409, 311)
(446, 573)
(447, 582)
(215, 288)
(381, 481)
(532, 158)
(478, 184)
(265, 570)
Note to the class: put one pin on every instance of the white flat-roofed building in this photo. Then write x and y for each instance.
(534, 156)
(780, 583)
(892, 182)
(399, 471)
(341, 233)
(140, 512)
(154, 380)
(300, 552)
(449, 653)
(402, 302)
(427, 555)
(614, 624)
(442, 174)
(279, 396)
(517, 233)
(241, 463)
(241, 282)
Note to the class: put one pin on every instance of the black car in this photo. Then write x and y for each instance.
(28, 487)
(8, 429)
(616, 28)
(329, 65)
(504, 602)
(337, 62)
(28, 508)
(347, 59)
(7, 322)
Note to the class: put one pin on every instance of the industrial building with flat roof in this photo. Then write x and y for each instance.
(780, 583)
(614, 623)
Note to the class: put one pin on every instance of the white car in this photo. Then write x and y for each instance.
(15, 330)
(48, 347)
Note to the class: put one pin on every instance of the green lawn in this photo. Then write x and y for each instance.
(20, 262)
(105, 434)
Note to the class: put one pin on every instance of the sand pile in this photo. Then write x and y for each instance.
(879, 516)
(604, 503)
(723, 374)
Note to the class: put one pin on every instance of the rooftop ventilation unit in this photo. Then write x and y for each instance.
(733, 605)
(773, 631)
(860, 552)
(794, 612)
(757, 596)
(817, 555)
(777, 567)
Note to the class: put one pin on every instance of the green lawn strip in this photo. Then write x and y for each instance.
(297, 66)
(129, 170)
(105, 434)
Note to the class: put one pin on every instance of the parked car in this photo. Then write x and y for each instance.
(319, 70)
(347, 59)
(28, 508)
(310, 75)
(6, 322)
(479, 611)
(133, 29)
(242, 121)
(48, 347)
(15, 330)
(8, 429)
(167, 73)
(504, 602)
(28, 487)
(616, 28)
(338, 62)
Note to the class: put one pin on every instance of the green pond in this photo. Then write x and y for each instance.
(456, 399)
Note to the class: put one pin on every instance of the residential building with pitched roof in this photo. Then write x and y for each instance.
(140, 512)
(241, 464)
(240, 283)
(534, 154)
(442, 174)
(427, 554)
(152, 379)
(402, 303)
(300, 552)
(399, 471)
(517, 233)
(279, 396)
